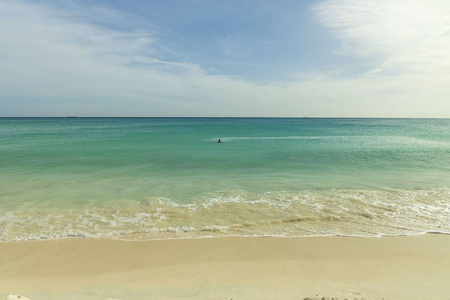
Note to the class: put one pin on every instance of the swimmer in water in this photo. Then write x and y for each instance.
(219, 141)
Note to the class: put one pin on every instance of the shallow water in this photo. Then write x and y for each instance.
(146, 178)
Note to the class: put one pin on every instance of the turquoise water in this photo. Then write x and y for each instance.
(147, 178)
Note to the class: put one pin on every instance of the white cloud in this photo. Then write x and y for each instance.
(55, 62)
(399, 35)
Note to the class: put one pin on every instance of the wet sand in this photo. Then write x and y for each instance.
(416, 267)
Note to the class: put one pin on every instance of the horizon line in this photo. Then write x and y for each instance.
(211, 117)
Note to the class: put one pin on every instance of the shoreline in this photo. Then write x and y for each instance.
(107, 238)
(395, 267)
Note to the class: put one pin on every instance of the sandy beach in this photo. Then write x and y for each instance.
(416, 267)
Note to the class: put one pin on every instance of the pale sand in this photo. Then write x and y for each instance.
(229, 268)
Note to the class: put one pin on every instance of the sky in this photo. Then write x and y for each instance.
(299, 58)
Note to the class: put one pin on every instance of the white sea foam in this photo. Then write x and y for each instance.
(239, 213)
(393, 140)
(236, 138)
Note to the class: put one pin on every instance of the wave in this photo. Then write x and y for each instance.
(365, 213)
(393, 140)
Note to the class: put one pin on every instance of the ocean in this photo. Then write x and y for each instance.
(159, 178)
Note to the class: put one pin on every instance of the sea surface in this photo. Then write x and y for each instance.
(157, 178)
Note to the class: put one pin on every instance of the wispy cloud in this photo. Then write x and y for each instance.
(66, 61)
(235, 46)
(78, 59)
(397, 35)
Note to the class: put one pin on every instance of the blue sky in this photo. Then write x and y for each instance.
(330, 58)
